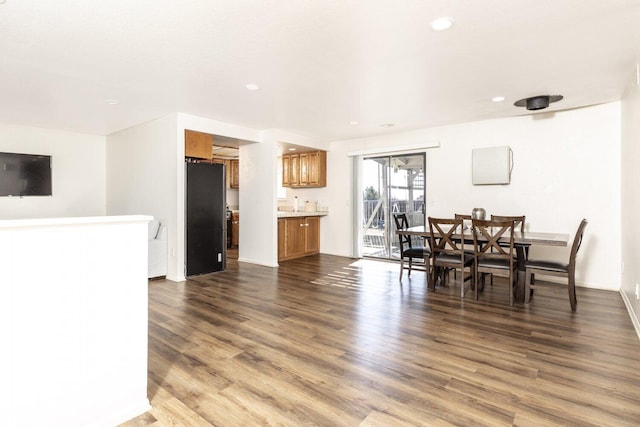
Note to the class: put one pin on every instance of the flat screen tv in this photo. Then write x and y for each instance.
(25, 175)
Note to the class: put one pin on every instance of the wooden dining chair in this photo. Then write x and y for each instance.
(462, 216)
(448, 250)
(408, 250)
(518, 220)
(518, 226)
(554, 268)
(492, 253)
(466, 219)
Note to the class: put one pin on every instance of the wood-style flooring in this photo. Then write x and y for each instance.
(332, 341)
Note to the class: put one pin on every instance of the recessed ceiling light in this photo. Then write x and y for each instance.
(292, 149)
(441, 24)
(387, 125)
(497, 98)
(112, 101)
(353, 122)
(252, 86)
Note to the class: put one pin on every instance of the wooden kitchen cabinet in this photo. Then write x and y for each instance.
(234, 174)
(312, 235)
(317, 169)
(235, 229)
(286, 170)
(282, 224)
(294, 171)
(198, 145)
(304, 169)
(298, 237)
(294, 238)
(303, 166)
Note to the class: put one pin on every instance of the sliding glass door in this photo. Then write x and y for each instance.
(390, 185)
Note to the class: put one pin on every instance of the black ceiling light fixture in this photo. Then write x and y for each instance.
(539, 102)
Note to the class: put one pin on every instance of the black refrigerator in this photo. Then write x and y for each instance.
(205, 218)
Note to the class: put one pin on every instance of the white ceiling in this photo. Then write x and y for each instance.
(320, 64)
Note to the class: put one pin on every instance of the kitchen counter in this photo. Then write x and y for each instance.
(292, 214)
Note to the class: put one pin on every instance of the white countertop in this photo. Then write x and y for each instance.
(291, 214)
(70, 221)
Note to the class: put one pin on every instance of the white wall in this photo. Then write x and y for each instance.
(233, 198)
(78, 170)
(258, 223)
(567, 167)
(142, 176)
(631, 201)
(73, 321)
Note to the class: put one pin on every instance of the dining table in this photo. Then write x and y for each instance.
(522, 241)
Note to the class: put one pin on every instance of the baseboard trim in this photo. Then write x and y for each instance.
(632, 314)
(126, 415)
(253, 261)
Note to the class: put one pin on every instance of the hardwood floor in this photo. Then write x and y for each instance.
(333, 341)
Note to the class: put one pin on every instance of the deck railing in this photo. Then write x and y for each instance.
(379, 227)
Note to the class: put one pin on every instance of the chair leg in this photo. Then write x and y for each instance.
(527, 286)
(409, 272)
(401, 268)
(572, 293)
(434, 277)
(475, 282)
(512, 285)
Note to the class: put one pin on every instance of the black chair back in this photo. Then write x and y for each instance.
(402, 223)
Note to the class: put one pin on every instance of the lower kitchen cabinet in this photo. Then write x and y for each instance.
(298, 237)
(235, 231)
(312, 235)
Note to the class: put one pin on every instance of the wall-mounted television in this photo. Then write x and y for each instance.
(25, 175)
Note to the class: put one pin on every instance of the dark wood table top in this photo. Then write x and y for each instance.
(519, 237)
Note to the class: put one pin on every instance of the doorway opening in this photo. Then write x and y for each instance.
(230, 157)
(391, 185)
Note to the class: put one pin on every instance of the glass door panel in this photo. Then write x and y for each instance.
(391, 184)
(376, 207)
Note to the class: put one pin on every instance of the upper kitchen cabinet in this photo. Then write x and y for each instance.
(316, 169)
(286, 170)
(302, 170)
(197, 144)
(234, 174)
(228, 156)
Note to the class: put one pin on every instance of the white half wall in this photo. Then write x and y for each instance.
(566, 167)
(631, 202)
(78, 171)
(73, 321)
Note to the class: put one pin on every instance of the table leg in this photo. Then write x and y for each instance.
(521, 267)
